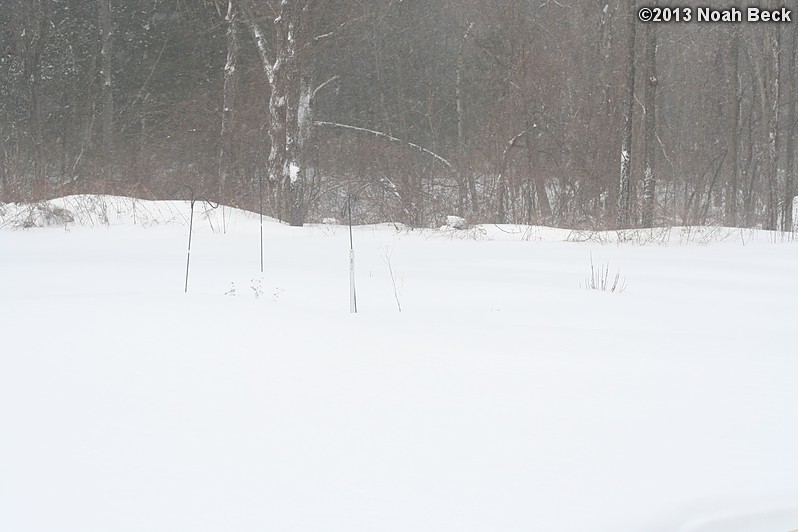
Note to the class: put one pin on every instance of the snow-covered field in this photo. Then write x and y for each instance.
(504, 397)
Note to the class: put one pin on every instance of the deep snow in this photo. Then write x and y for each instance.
(504, 397)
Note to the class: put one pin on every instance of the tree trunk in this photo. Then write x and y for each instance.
(501, 180)
(789, 168)
(106, 93)
(3, 165)
(465, 181)
(286, 163)
(650, 126)
(229, 100)
(732, 136)
(773, 130)
(604, 47)
(624, 184)
(281, 62)
(33, 48)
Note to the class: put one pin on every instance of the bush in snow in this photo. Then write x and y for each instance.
(456, 222)
(599, 279)
(257, 288)
(232, 291)
(45, 215)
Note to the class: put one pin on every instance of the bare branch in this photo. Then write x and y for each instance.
(324, 36)
(260, 39)
(317, 89)
(434, 155)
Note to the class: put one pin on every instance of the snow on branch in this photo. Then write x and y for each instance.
(263, 50)
(260, 40)
(313, 96)
(380, 134)
(512, 142)
(325, 36)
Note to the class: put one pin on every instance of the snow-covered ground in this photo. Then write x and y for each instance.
(504, 397)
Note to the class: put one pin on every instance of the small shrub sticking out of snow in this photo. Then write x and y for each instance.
(232, 291)
(456, 222)
(600, 279)
(45, 215)
(257, 288)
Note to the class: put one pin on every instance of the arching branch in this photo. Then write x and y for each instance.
(380, 134)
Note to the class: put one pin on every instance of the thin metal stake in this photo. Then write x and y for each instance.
(352, 293)
(349, 208)
(260, 187)
(194, 199)
(190, 230)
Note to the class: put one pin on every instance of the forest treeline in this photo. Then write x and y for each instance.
(570, 112)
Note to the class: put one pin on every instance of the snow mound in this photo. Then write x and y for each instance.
(35, 215)
(102, 210)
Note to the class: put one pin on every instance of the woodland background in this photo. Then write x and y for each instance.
(569, 113)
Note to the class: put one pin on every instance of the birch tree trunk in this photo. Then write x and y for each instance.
(281, 62)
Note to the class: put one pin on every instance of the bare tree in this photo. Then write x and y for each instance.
(228, 99)
(625, 184)
(466, 183)
(732, 128)
(772, 175)
(418, 111)
(789, 167)
(283, 49)
(650, 126)
(32, 41)
(106, 63)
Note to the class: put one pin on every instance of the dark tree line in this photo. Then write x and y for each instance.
(568, 113)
